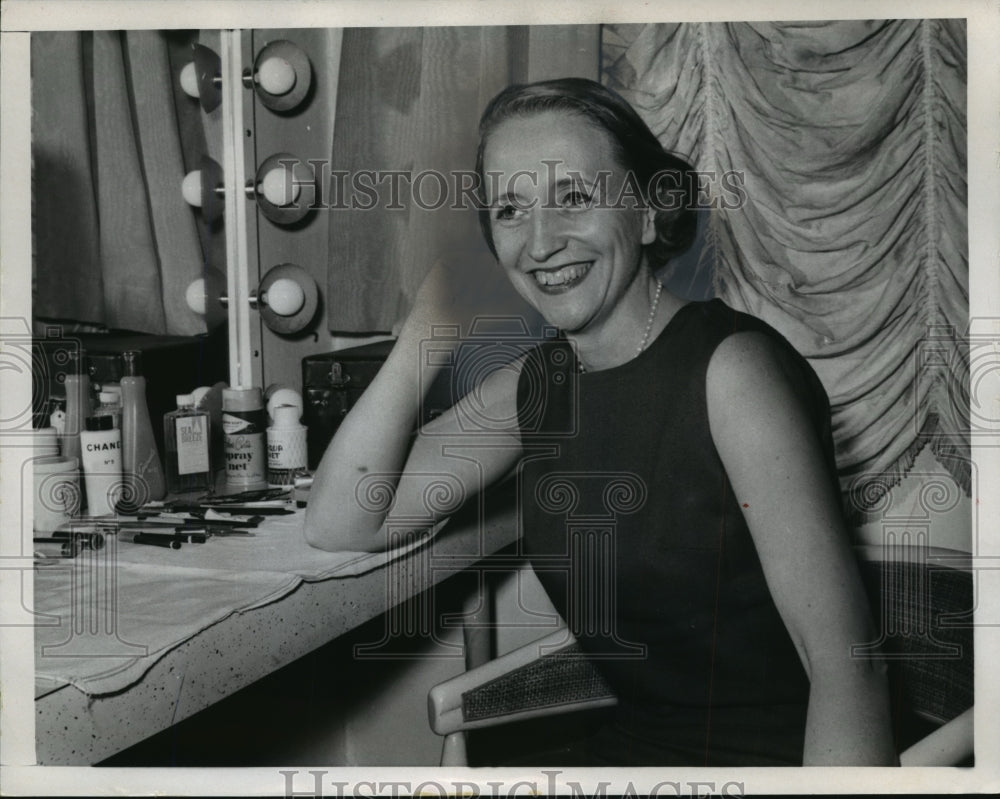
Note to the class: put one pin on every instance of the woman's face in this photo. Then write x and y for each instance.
(552, 183)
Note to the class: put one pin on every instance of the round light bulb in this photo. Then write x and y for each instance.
(191, 188)
(196, 296)
(285, 297)
(279, 187)
(276, 76)
(189, 80)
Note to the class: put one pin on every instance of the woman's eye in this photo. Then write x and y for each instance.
(505, 212)
(575, 199)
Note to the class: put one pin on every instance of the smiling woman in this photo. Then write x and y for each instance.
(565, 248)
(678, 498)
(586, 217)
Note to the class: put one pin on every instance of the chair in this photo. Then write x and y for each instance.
(922, 600)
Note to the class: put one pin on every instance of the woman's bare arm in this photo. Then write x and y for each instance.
(776, 466)
(375, 453)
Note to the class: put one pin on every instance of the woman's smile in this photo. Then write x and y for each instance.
(567, 248)
(558, 279)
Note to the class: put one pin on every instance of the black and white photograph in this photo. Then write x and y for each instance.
(449, 399)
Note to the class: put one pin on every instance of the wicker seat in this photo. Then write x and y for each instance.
(552, 680)
(922, 600)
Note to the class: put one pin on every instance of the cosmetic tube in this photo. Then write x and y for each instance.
(48, 547)
(84, 539)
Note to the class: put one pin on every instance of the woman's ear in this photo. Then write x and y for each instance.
(649, 225)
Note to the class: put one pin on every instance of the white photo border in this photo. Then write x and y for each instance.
(21, 777)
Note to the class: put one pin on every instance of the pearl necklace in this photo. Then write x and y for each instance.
(649, 325)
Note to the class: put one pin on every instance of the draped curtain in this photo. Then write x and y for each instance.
(849, 139)
(114, 243)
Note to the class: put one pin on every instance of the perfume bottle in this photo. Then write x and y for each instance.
(101, 447)
(110, 405)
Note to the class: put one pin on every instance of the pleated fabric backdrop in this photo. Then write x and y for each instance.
(852, 240)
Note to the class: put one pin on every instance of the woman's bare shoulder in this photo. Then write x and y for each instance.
(753, 363)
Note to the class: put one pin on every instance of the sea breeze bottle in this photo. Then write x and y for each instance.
(243, 424)
(141, 467)
(186, 438)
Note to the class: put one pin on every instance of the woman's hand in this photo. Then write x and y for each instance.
(459, 292)
(375, 441)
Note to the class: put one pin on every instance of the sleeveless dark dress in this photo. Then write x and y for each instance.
(632, 526)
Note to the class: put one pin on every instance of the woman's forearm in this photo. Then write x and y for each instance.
(848, 721)
(373, 439)
(376, 437)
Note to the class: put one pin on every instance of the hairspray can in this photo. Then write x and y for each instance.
(244, 424)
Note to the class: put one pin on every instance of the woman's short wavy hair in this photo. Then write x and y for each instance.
(665, 180)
